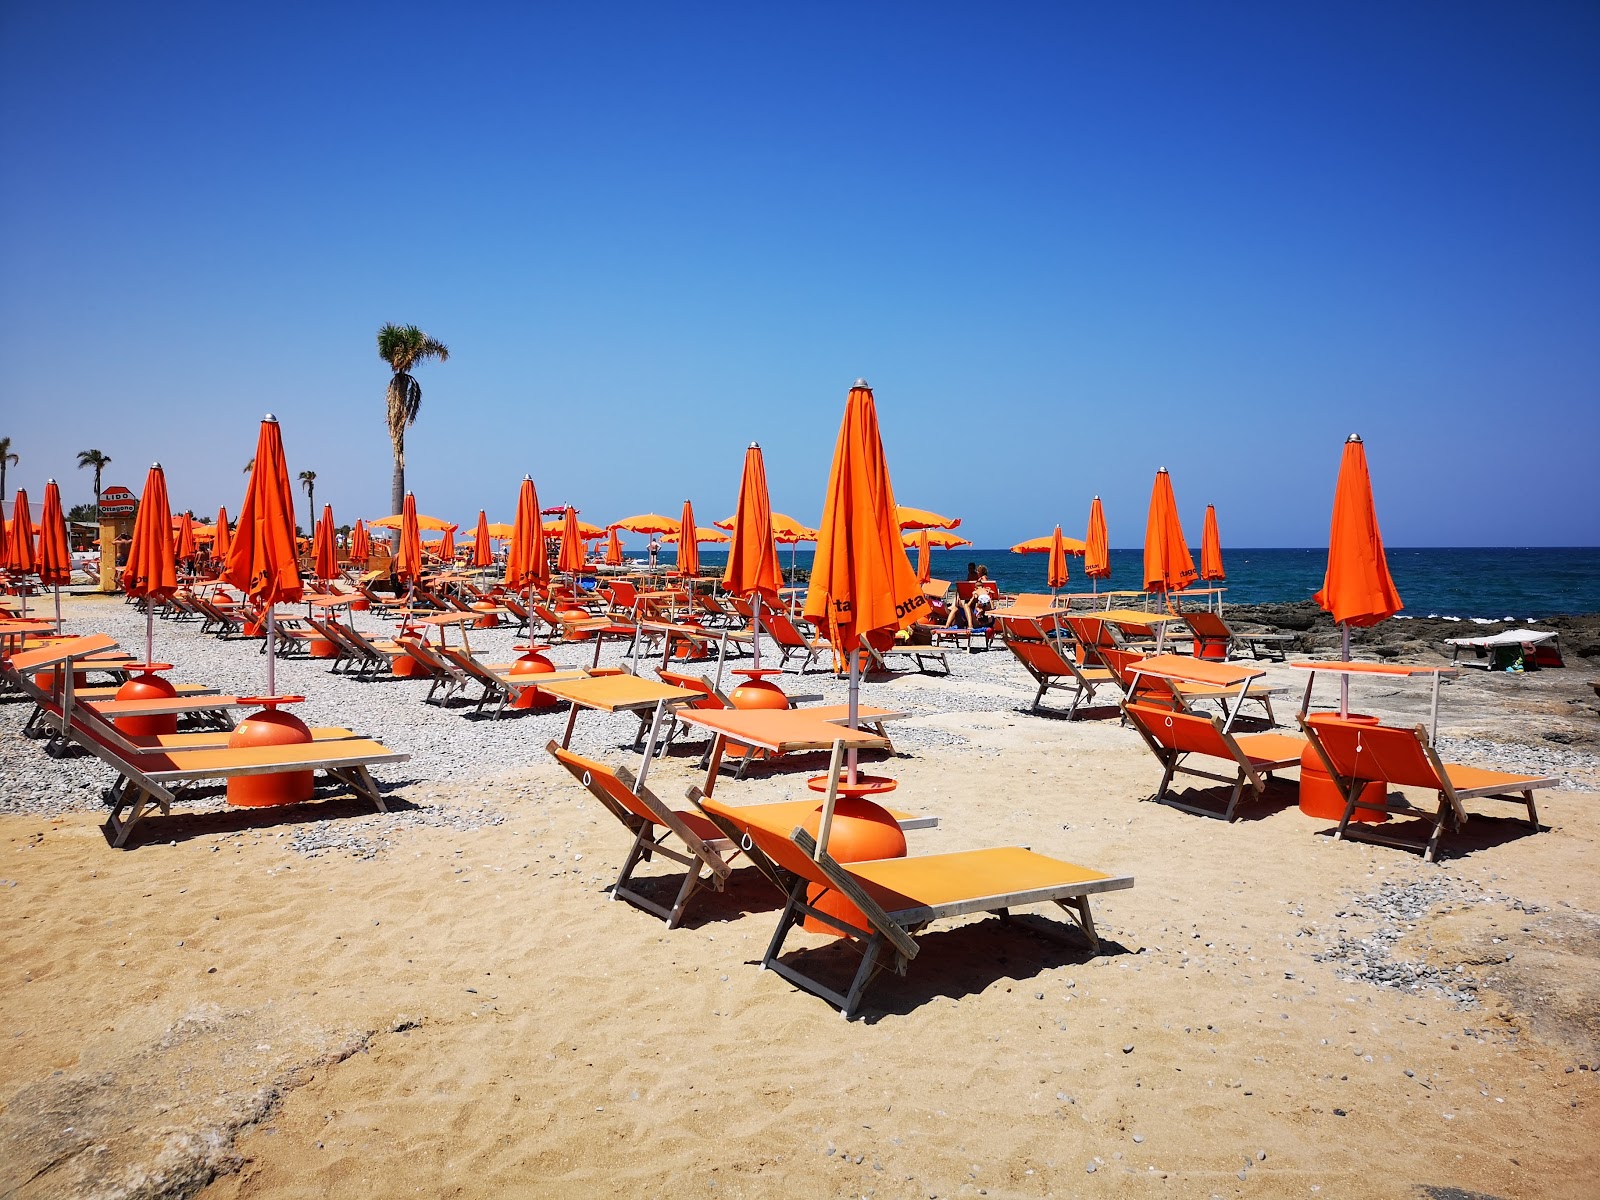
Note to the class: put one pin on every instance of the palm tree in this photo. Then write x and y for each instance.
(7, 459)
(308, 480)
(403, 347)
(93, 458)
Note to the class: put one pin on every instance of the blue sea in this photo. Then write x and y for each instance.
(1493, 582)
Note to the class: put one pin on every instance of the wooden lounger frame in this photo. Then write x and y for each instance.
(1044, 658)
(1204, 734)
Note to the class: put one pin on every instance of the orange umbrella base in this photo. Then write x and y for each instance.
(270, 727)
(404, 666)
(147, 687)
(321, 648)
(758, 694)
(861, 831)
(1320, 798)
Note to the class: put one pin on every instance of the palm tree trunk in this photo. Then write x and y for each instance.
(97, 495)
(311, 507)
(397, 483)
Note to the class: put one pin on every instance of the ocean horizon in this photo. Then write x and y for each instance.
(1483, 582)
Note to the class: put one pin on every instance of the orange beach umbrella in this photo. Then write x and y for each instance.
(262, 561)
(752, 568)
(1168, 565)
(1097, 547)
(55, 559)
(423, 522)
(921, 518)
(527, 567)
(324, 553)
(688, 544)
(1056, 575)
(19, 556)
(223, 538)
(360, 543)
(613, 548)
(647, 523)
(482, 552)
(1357, 589)
(702, 534)
(408, 554)
(186, 550)
(1211, 549)
(447, 545)
(571, 557)
(939, 539)
(1045, 544)
(924, 557)
(150, 571)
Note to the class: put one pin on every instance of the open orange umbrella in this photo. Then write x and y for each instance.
(752, 568)
(223, 539)
(527, 567)
(1357, 589)
(1168, 565)
(19, 556)
(482, 552)
(924, 557)
(1211, 549)
(1097, 547)
(324, 551)
(150, 571)
(939, 539)
(55, 552)
(397, 521)
(688, 544)
(186, 550)
(586, 532)
(1056, 575)
(647, 523)
(408, 555)
(703, 534)
(572, 557)
(1047, 543)
(861, 580)
(613, 549)
(921, 518)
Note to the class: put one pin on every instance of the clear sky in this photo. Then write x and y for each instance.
(1067, 244)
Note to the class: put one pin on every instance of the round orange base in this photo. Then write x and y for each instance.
(270, 727)
(321, 648)
(532, 663)
(861, 831)
(406, 667)
(147, 687)
(758, 694)
(1319, 795)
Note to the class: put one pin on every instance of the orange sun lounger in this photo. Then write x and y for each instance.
(1174, 737)
(1043, 657)
(899, 897)
(1356, 753)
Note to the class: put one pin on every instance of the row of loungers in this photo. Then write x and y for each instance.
(152, 771)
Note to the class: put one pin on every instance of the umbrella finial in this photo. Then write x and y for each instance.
(1354, 437)
(155, 466)
(755, 445)
(270, 417)
(862, 383)
(529, 478)
(48, 482)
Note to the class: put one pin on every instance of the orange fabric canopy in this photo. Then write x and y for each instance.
(324, 553)
(572, 556)
(557, 527)
(1357, 588)
(360, 543)
(1056, 573)
(224, 536)
(752, 568)
(1097, 548)
(482, 552)
(861, 579)
(55, 558)
(423, 522)
(150, 570)
(688, 544)
(263, 560)
(647, 523)
(527, 567)
(613, 549)
(785, 529)
(185, 548)
(924, 557)
(1045, 544)
(921, 518)
(939, 539)
(702, 533)
(19, 555)
(1168, 565)
(1211, 549)
(408, 555)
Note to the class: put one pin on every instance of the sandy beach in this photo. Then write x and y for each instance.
(443, 999)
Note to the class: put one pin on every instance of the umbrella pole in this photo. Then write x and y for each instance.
(149, 630)
(58, 608)
(855, 705)
(1344, 678)
(755, 637)
(272, 651)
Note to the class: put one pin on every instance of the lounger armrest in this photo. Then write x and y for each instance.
(841, 879)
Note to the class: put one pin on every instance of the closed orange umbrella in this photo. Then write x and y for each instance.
(19, 557)
(186, 550)
(572, 557)
(861, 580)
(1357, 589)
(752, 568)
(447, 545)
(223, 539)
(150, 571)
(408, 555)
(263, 560)
(1168, 565)
(1211, 549)
(360, 543)
(613, 549)
(527, 567)
(924, 558)
(324, 550)
(482, 552)
(55, 552)
(688, 544)
(1056, 576)
(1096, 546)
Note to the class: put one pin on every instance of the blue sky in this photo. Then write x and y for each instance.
(1066, 246)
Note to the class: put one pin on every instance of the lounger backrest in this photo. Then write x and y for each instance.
(693, 683)
(465, 662)
(1186, 733)
(1207, 625)
(1041, 655)
(1377, 752)
(624, 594)
(778, 848)
(594, 774)
(781, 629)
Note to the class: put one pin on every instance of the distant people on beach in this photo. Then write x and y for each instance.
(655, 550)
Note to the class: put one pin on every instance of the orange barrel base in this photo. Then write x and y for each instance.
(321, 648)
(147, 687)
(576, 614)
(532, 663)
(405, 667)
(361, 604)
(51, 680)
(270, 727)
(1213, 651)
(487, 621)
(1319, 795)
(759, 693)
(861, 831)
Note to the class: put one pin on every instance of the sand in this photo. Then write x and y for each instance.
(465, 1011)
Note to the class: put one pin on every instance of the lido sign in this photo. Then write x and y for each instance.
(117, 502)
